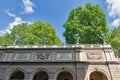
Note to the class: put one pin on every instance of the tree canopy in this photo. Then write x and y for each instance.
(115, 39)
(89, 22)
(29, 34)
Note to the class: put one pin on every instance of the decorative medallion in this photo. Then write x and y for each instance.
(93, 55)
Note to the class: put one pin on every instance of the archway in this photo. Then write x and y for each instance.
(40, 75)
(65, 75)
(96, 75)
(17, 75)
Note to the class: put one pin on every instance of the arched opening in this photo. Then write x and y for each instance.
(64, 76)
(96, 75)
(41, 75)
(17, 75)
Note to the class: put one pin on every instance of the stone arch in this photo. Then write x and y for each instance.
(98, 74)
(40, 74)
(17, 75)
(64, 74)
(12, 71)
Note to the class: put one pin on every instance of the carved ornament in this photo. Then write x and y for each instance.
(94, 55)
(43, 56)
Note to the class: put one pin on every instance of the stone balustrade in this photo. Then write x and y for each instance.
(58, 46)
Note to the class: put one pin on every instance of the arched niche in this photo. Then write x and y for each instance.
(40, 75)
(64, 75)
(17, 75)
(97, 75)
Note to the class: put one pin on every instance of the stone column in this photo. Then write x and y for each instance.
(28, 75)
(51, 76)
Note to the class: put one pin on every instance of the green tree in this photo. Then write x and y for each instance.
(115, 39)
(5, 40)
(89, 22)
(31, 34)
(43, 33)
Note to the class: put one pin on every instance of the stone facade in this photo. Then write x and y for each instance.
(59, 62)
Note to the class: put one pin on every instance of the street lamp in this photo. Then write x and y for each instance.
(77, 37)
(103, 38)
(15, 39)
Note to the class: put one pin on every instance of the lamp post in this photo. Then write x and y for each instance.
(77, 37)
(103, 38)
(15, 39)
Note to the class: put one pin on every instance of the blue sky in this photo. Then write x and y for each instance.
(55, 12)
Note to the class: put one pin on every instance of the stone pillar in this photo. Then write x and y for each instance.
(28, 76)
(51, 76)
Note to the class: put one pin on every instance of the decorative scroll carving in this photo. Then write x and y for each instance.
(94, 55)
(43, 56)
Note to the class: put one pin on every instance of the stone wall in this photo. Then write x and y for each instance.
(78, 60)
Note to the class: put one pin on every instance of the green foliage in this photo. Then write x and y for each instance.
(89, 22)
(115, 39)
(31, 34)
(5, 40)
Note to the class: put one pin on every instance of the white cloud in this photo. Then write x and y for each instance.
(9, 13)
(113, 7)
(114, 11)
(116, 22)
(2, 32)
(28, 6)
(17, 21)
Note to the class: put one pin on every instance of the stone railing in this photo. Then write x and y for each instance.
(59, 46)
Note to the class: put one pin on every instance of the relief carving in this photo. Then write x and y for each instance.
(94, 56)
(43, 56)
